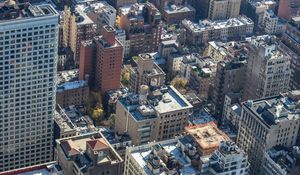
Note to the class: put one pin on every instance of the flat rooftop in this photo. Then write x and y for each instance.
(69, 119)
(81, 17)
(39, 172)
(208, 136)
(142, 157)
(221, 24)
(170, 100)
(275, 109)
(173, 9)
(10, 10)
(114, 138)
(71, 85)
(201, 117)
(67, 76)
(64, 123)
(96, 7)
(127, 9)
(48, 168)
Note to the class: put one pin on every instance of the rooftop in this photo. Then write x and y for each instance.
(262, 3)
(227, 151)
(67, 76)
(262, 40)
(11, 10)
(230, 50)
(163, 100)
(135, 11)
(273, 110)
(229, 147)
(132, 9)
(114, 138)
(162, 158)
(81, 16)
(171, 101)
(49, 168)
(221, 24)
(201, 117)
(96, 7)
(71, 85)
(153, 58)
(70, 119)
(171, 9)
(285, 159)
(76, 149)
(208, 136)
(104, 42)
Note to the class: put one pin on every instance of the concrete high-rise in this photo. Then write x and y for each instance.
(268, 69)
(290, 44)
(28, 59)
(268, 122)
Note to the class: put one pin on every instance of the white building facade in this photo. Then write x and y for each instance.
(28, 60)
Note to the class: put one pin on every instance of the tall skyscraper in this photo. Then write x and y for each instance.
(28, 58)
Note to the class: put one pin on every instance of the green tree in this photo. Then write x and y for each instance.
(135, 58)
(179, 83)
(125, 77)
(112, 120)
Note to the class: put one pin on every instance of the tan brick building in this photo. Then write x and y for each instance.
(157, 115)
(88, 154)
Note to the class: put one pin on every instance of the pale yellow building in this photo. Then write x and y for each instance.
(77, 26)
(223, 9)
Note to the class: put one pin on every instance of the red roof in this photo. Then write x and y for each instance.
(67, 147)
(97, 144)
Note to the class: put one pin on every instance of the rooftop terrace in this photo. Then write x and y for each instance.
(208, 136)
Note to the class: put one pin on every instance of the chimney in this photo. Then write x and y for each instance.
(109, 33)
